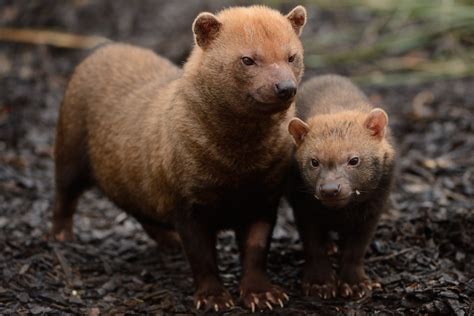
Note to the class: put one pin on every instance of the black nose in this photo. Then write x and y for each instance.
(285, 90)
(330, 189)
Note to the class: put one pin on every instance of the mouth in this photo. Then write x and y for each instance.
(334, 202)
(271, 107)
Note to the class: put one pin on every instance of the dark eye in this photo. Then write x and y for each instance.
(354, 161)
(314, 163)
(248, 61)
(291, 58)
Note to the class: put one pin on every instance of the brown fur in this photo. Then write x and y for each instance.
(341, 125)
(191, 151)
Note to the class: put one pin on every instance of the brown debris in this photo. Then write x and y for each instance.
(45, 37)
(422, 254)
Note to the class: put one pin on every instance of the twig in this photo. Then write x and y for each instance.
(389, 256)
(64, 264)
(53, 38)
(412, 78)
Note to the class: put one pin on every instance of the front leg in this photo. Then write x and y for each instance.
(256, 289)
(354, 282)
(318, 274)
(198, 238)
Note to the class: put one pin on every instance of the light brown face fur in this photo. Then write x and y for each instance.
(347, 149)
(250, 52)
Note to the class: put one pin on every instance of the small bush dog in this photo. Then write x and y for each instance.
(342, 177)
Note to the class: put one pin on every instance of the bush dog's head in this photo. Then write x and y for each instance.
(342, 156)
(250, 55)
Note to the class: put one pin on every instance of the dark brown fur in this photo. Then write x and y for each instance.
(190, 152)
(342, 124)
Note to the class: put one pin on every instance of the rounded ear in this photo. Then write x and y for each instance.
(206, 27)
(376, 122)
(297, 18)
(298, 129)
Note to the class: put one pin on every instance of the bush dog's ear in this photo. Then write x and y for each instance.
(298, 129)
(206, 27)
(376, 122)
(297, 18)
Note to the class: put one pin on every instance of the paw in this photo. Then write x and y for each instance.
(60, 235)
(264, 298)
(358, 290)
(331, 248)
(322, 290)
(319, 281)
(217, 300)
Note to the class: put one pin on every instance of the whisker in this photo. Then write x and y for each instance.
(305, 189)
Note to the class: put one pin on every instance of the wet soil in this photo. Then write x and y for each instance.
(422, 254)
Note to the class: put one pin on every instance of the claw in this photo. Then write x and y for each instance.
(232, 302)
(281, 303)
(286, 296)
(346, 291)
(227, 305)
(256, 300)
(376, 285)
(216, 307)
(269, 305)
(253, 307)
(198, 305)
(333, 293)
(61, 236)
(270, 297)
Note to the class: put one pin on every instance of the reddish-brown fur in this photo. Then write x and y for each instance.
(341, 126)
(189, 152)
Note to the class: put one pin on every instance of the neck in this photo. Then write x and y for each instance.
(226, 121)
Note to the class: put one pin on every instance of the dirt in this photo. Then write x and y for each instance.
(422, 254)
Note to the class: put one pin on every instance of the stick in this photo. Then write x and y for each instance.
(53, 38)
(389, 256)
(64, 264)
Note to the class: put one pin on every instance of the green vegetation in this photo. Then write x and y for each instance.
(394, 41)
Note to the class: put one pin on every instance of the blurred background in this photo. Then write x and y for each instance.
(385, 42)
(416, 58)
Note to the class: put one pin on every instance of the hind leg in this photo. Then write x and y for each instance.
(72, 177)
(64, 207)
(167, 238)
(69, 186)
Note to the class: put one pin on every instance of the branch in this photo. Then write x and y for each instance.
(53, 38)
(389, 256)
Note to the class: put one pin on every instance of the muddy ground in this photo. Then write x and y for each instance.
(422, 254)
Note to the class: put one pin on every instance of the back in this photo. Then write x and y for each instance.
(109, 105)
(329, 94)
